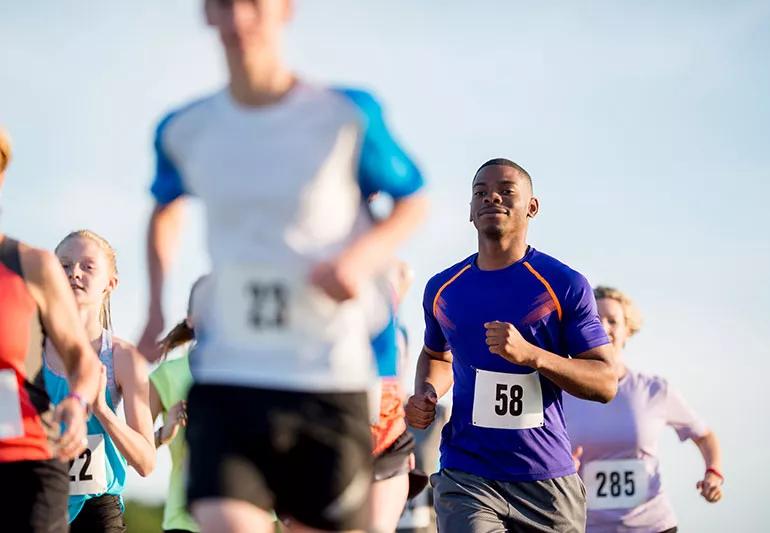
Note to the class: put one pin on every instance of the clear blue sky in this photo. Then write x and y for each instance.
(644, 125)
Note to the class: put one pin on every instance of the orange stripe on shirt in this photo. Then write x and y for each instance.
(444, 286)
(547, 287)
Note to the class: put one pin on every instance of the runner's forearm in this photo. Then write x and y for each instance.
(433, 371)
(709, 449)
(162, 243)
(138, 451)
(586, 378)
(375, 248)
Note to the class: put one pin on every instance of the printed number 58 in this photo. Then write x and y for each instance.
(508, 402)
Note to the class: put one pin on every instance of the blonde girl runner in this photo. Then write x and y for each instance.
(97, 477)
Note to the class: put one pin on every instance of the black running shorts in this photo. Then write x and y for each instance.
(102, 514)
(305, 455)
(394, 460)
(35, 498)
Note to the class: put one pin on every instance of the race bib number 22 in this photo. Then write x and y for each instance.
(88, 472)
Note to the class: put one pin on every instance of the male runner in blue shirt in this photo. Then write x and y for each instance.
(511, 327)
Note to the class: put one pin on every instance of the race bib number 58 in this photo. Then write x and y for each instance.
(507, 401)
(88, 473)
(618, 484)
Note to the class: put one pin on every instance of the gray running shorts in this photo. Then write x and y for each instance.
(466, 503)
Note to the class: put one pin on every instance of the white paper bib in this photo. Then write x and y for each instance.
(507, 401)
(88, 473)
(261, 307)
(616, 484)
(11, 424)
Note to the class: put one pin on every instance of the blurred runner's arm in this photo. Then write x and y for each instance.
(169, 190)
(372, 251)
(383, 167)
(162, 245)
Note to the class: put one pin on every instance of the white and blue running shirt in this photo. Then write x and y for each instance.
(283, 188)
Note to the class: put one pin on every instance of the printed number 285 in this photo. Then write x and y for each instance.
(616, 485)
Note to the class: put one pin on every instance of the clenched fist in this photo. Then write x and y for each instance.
(505, 340)
(710, 487)
(421, 409)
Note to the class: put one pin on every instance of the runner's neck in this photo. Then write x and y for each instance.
(89, 317)
(259, 79)
(499, 254)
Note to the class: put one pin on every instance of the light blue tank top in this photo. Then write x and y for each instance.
(57, 387)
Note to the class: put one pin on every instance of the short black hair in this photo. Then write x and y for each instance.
(503, 162)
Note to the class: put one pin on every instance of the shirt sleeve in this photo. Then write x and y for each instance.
(434, 336)
(383, 166)
(167, 185)
(582, 328)
(681, 417)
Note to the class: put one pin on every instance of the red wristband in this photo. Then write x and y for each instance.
(716, 473)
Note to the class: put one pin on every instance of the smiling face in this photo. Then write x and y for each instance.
(502, 201)
(89, 270)
(613, 319)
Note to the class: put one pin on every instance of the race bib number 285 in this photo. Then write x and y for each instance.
(616, 484)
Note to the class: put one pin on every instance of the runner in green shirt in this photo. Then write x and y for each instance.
(171, 382)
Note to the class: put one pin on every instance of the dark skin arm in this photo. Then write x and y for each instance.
(588, 375)
(432, 380)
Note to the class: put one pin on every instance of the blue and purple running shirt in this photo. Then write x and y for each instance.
(507, 422)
